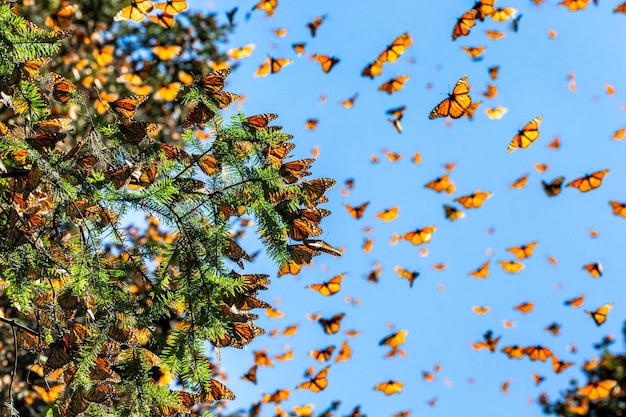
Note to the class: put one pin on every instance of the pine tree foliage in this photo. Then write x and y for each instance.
(98, 318)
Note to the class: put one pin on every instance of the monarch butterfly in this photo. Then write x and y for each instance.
(589, 182)
(267, 6)
(474, 52)
(289, 267)
(315, 189)
(494, 35)
(357, 211)
(457, 102)
(223, 99)
(492, 90)
(525, 307)
(373, 70)
(276, 64)
(554, 328)
(575, 302)
(494, 71)
(277, 396)
(598, 390)
(397, 124)
(58, 357)
(287, 356)
(164, 19)
(594, 269)
(405, 273)
(103, 372)
(261, 358)
(525, 137)
(172, 6)
(441, 184)
(301, 229)
(322, 355)
(574, 5)
(394, 84)
(27, 69)
(345, 353)
(315, 24)
(395, 339)
(198, 115)
(317, 383)
(136, 132)
(480, 310)
(331, 325)
(330, 287)
(127, 107)
(472, 109)
(474, 200)
(558, 365)
(396, 49)
(135, 11)
(513, 351)
(419, 236)
(259, 121)
(489, 342)
(62, 18)
(214, 82)
(29, 341)
(553, 188)
(62, 89)
(320, 245)
(243, 52)
(217, 391)
(482, 272)
(619, 209)
(621, 8)
(298, 48)
(511, 267)
(483, 9)
(520, 182)
(327, 62)
(503, 14)
(392, 156)
(389, 387)
(464, 24)
(275, 154)
(523, 251)
(599, 315)
(496, 113)
(52, 126)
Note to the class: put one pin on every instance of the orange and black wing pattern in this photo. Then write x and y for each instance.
(457, 102)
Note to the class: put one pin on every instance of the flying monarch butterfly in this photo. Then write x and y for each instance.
(525, 137)
(511, 267)
(322, 246)
(315, 24)
(489, 342)
(483, 9)
(494, 71)
(494, 35)
(389, 387)
(599, 315)
(525, 307)
(356, 211)
(405, 273)
(345, 353)
(457, 102)
(594, 269)
(62, 18)
(298, 48)
(395, 339)
(523, 251)
(127, 107)
(588, 182)
(330, 287)
(373, 70)
(349, 103)
(164, 19)
(520, 182)
(559, 366)
(474, 200)
(317, 383)
(480, 310)
(276, 64)
(217, 391)
(392, 156)
(621, 8)
(322, 355)
(261, 358)
(327, 62)
(575, 302)
(574, 5)
(496, 113)
(62, 89)
(267, 6)
(474, 52)
(598, 390)
(482, 272)
(619, 209)
(396, 49)
(553, 188)
(554, 328)
(135, 11)
(464, 24)
(240, 335)
(441, 184)
(259, 121)
(419, 236)
(277, 396)
(172, 6)
(472, 109)
(514, 351)
(394, 84)
(538, 353)
(331, 325)
(503, 14)
(311, 124)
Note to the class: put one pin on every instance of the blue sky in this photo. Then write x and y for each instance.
(533, 82)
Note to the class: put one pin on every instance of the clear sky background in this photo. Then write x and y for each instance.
(533, 82)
